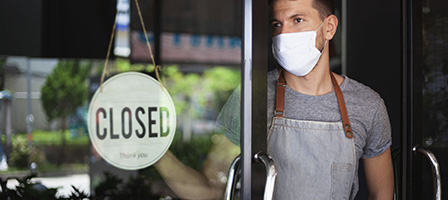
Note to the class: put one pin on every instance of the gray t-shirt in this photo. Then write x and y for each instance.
(366, 111)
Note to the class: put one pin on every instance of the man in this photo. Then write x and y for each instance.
(317, 134)
(308, 142)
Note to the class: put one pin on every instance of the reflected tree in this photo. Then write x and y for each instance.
(64, 90)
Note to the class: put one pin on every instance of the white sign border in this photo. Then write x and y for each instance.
(99, 151)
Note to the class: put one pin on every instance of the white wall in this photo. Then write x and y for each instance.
(17, 84)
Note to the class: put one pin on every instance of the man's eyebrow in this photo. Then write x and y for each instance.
(297, 15)
(273, 20)
(290, 17)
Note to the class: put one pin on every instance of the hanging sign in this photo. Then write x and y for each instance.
(132, 121)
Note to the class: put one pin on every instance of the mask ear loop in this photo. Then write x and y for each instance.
(325, 44)
(321, 24)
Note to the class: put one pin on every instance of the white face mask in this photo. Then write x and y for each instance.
(297, 52)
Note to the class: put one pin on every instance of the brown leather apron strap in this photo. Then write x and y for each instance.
(280, 100)
(342, 108)
(279, 103)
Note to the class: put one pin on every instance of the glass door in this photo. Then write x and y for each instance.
(427, 95)
(211, 57)
(198, 43)
(254, 97)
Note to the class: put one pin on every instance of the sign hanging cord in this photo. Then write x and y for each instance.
(156, 67)
(103, 74)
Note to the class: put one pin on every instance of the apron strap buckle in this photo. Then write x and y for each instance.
(278, 113)
(279, 102)
(345, 121)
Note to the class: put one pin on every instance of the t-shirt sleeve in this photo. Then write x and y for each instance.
(379, 137)
(228, 120)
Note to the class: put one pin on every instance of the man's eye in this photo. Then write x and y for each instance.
(275, 25)
(298, 20)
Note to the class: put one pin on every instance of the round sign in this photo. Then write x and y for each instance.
(132, 121)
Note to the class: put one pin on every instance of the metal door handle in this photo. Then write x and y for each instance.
(435, 170)
(235, 168)
(271, 173)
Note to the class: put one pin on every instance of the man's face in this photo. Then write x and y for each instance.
(289, 16)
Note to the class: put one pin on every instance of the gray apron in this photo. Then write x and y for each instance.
(314, 159)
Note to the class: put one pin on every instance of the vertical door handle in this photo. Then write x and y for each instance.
(235, 168)
(232, 178)
(271, 174)
(435, 167)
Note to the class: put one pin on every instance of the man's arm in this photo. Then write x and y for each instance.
(380, 176)
(188, 183)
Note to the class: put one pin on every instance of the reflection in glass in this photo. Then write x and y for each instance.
(435, 89)
(200, 53)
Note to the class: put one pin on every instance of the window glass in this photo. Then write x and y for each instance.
(44, 105)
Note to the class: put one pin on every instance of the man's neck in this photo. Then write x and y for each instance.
(317, 82)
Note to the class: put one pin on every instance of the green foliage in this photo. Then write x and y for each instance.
(27, 189)
(113, 188)
(209, 90)
(138, 187)
(77, 194)
(38, 157)
(124, 65)
(181, 87)
(108, 187)
(20, 153)
(65, 89)
(44, 152)
(191, 153)
(221, 81)
(42, 137)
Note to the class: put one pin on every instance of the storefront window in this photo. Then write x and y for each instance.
(44, 103)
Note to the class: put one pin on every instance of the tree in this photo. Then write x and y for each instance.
(64, 90)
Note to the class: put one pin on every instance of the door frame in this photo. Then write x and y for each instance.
(254, 93)
(412, 101)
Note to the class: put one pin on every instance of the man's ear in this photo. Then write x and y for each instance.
(332, 26)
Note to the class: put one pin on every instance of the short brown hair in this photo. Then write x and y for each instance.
(324, 7)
